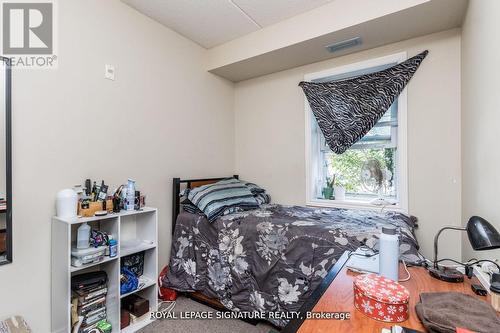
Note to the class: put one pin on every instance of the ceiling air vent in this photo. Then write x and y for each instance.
(345, 44)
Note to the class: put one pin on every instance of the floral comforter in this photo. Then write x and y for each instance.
(272, 258)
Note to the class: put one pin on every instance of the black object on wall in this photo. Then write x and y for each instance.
(7, 95)
(348, 109)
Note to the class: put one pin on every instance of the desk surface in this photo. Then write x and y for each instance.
(339, 298)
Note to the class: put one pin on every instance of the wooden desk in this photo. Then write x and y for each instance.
(339, 298)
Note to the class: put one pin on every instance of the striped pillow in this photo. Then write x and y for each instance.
(190, 208)
(187, 206)
(254, 188)
(263, 198)
(259, 193)
(214, 199)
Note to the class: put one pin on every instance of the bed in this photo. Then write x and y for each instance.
(272, 258)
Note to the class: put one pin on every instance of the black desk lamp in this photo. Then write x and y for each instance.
(482, 236)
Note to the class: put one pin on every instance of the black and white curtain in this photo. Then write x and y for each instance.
(347, 109)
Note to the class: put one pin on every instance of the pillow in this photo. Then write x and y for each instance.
(188, 206)
(262, 198)
(214, 199)
(192, 209)
(254, 188)
(259, 193)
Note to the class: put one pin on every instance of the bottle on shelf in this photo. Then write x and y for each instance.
(130, 194)
(83, 236)
(113, 247)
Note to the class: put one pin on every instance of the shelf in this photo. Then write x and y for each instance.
(137, 326)
(77, 220)
(148, 282)
(126, 250)
(105, 260)
(134, 231)
(136, 212)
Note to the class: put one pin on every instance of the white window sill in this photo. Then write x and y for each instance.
(353, 204)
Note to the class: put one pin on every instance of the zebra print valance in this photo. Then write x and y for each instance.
(347, 109)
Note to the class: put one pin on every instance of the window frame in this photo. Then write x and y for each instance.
(402, 140)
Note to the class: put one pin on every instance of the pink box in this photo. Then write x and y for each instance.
(381, 298)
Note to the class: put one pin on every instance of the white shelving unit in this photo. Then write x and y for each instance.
(135, 231)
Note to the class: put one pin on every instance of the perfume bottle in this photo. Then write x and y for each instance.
(130, 194)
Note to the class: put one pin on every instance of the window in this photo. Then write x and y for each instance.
(373, 168)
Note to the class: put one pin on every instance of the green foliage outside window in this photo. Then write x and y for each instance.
(348, 166)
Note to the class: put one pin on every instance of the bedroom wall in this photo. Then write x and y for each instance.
(480, 117)
(164, 116)
(270, 134)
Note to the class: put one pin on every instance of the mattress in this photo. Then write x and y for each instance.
(271, 259)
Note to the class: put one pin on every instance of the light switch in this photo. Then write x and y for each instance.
(109, 72)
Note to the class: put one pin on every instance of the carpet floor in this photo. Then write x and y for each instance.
(184, 304)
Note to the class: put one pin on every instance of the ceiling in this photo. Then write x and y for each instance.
(420, 20)
(214, 22)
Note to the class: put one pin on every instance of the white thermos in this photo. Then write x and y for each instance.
(389, 253)
(66, 203)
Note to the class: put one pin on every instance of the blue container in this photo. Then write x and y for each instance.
(113, 248)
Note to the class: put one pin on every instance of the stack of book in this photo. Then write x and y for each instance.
(89, 300)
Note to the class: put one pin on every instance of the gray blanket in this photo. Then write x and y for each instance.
(272, 258)
(443, 312)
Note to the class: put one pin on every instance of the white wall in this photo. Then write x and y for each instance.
(71, 123)
(270, 134)
(481, 117)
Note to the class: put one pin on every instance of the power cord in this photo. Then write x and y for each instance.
(365, 255)
(408, 276)
(469, 263)
(170, 306)
(468, 266)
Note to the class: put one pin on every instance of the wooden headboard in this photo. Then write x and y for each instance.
(190, 183)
